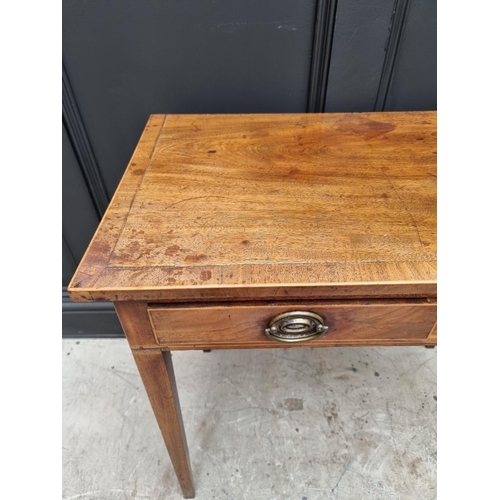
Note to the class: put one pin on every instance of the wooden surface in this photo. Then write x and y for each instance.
(218, 326)
(205, 326)
(157, 374)
(252, 205)
(134, 318)
(432, 338)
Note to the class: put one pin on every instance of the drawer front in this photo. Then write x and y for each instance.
(233, 326)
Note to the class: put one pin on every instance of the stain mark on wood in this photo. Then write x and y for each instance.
(205, 275)
(172, 250)
(366, 127)
(194, 259)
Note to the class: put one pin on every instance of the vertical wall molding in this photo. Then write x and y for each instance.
(321, 55)
(81, 144)
(68, 249)
(396, 29)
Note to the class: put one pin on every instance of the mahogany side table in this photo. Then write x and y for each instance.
(256, 231)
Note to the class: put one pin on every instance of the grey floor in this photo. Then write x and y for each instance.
(338, 423)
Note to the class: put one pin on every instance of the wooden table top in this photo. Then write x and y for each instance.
(270, 206)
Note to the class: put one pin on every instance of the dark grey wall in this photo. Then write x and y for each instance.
(413, 85)
(126, 59)
(358, 54)
(79, 217)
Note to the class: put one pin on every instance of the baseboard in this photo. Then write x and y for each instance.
(89, 319)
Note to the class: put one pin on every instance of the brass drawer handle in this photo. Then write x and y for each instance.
(296, 326)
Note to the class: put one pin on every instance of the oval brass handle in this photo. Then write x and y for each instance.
(296, 326)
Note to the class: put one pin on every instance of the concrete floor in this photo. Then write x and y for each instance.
(338, 423)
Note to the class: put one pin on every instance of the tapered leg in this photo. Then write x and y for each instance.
(157, 373)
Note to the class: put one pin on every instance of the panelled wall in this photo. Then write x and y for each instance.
(124, 60)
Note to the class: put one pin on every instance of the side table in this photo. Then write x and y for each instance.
(271, 230)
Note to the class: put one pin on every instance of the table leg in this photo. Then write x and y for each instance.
(157, 373)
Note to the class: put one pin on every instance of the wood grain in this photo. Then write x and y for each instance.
(157, 374)
(262, 203)
(432, 338)
(216, 326)
(95, 260)
(401, 342)
(134, 318)
(269, 292)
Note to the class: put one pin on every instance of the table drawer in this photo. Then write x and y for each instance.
(244, 325)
